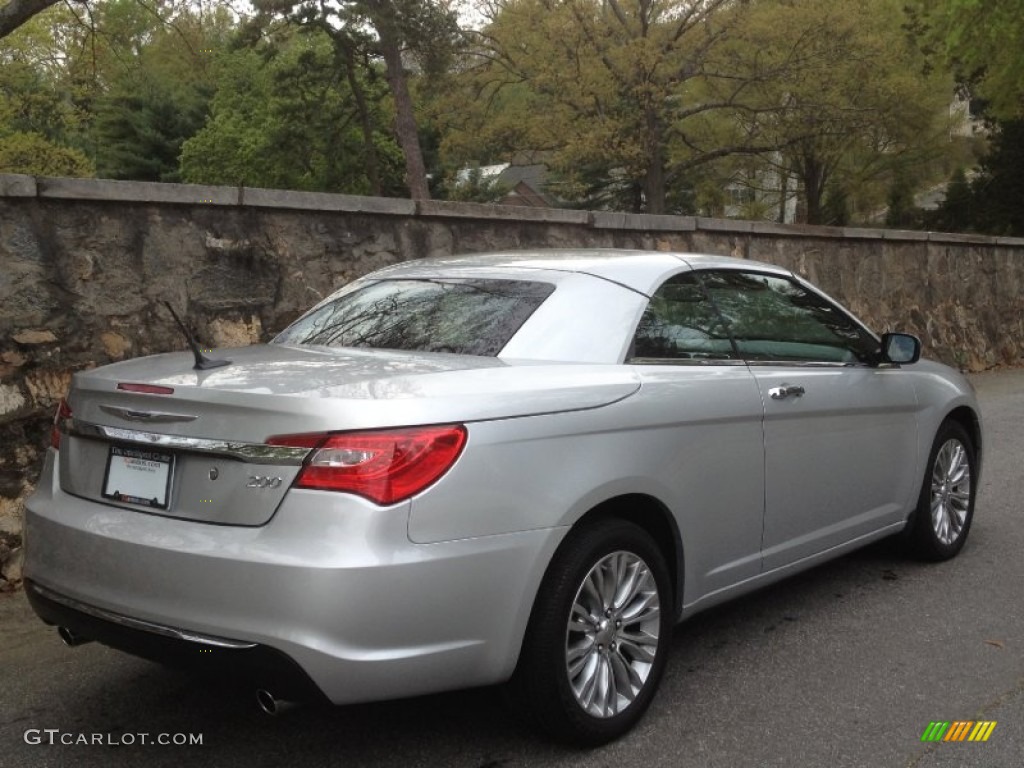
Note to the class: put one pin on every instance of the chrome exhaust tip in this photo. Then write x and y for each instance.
(72, 639)
(272, 705)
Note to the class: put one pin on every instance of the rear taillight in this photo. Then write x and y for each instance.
(62, 415)
(386, 466)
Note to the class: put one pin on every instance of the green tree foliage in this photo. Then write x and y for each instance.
(902, 213)
(36, 155)
(129, 80)
(956, 212)
(39, 124)
(140, 129)
(389, 31)
(998, 189)
(982, 41)
(990, 203)
(854, 111)
(622, 90)
(153, 78)
(285, 117)
(659, 106)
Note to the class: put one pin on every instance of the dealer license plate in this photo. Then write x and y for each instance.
(138, 476)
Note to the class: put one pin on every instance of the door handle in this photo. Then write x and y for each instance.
(786, 390)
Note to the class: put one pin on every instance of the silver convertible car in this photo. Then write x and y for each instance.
(518, 468)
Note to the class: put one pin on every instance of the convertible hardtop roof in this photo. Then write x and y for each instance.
(641, 271)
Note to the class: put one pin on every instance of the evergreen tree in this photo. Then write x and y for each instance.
(956, 212)
(998, 189)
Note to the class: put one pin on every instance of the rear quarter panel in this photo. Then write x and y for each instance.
(690, 438)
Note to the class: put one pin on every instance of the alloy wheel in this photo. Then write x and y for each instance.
(613, 634)
(950, 491)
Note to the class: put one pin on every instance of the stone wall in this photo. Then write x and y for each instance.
(84, 265)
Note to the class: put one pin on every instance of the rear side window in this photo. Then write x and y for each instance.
(461, 316)
(680, 323)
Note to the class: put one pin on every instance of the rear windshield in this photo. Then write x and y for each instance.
(466, 317)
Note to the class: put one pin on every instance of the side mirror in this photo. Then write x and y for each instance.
(900, 348)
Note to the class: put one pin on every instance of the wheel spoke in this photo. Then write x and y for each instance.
(607, 689)
(627, 681)
(591, 592)
(641, 646)
(588, 687)
(628, 586)
(961, 497)
(577, 659)
(581, 616)
(643, 609)
(609, 581)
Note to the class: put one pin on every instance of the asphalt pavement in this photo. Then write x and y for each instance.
(842, 666)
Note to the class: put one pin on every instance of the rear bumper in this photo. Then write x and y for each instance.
(259, 665)
(331, 584)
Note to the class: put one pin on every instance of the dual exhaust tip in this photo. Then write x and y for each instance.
(266, 701)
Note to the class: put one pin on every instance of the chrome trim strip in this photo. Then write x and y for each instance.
(150, 417)
(250, 453)
(803, 364)
(684, 361)
(144, 626)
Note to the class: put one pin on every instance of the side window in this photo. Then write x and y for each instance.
(680, 323)
(775, 318)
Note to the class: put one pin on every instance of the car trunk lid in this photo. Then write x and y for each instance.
(206, 433)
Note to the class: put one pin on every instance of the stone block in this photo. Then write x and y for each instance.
(12, 400)
(115, 345)
(17, 185)
(13, 358)
(12, 566)
(109, 190)
(42, 336)
(235, 333)
(325, 201)
(489, 212)
(641, 222)
(723, 225)
(11, 523)
(47, 387)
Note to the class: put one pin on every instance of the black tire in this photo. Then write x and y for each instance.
(617, 644)
(939, 533)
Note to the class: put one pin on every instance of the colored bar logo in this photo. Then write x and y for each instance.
(959, 730)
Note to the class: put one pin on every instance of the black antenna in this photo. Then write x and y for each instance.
(202, 363)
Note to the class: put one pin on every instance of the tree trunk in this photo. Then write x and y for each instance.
(405, 118)
(654, 177)
(783, 194)
(812, 174)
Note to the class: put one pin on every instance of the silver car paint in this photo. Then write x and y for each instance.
(835, 457)
(332, 580)
(268, 391)
(547, 443)
(702, 458)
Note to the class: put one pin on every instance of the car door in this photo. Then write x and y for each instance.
(702, 412)
(840, 433)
